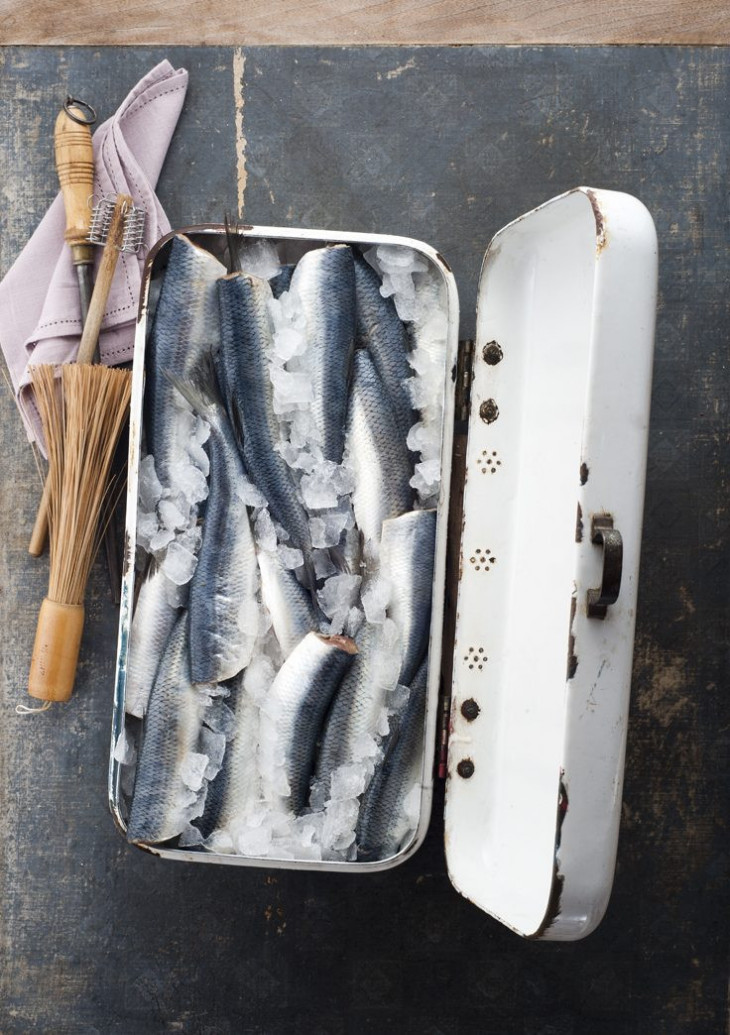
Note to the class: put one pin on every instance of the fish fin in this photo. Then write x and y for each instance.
(200, 389)
(234, 415)
(338, 558)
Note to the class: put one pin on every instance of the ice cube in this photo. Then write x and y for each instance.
(189, 482)
(290, 557)
(323, 566)
(328, 527)
(339, 594)
(258, 256)
(149, 486)
(398, 698)
(348, 781)
(338, 830)
(289, 342)
(147, 528)
(292, 390)
(218, 717)
(170, 515)
(220, 841)
(162, 538)
(179, 563)
(318, 489)
(264, 531)
(214, 746)
(192, 770)
(258, 677)
(125, 751)
(190, 837)
(254, 841)
(249, 494)
(375, 599)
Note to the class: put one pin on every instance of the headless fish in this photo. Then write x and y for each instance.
(356, 709)
(223, 607)
(167, 792)
(298, 701)
(185, 330)
(236, 790)
(383, 825)
(154, 620)
(377, 454)
(324, 283)
(381, 331)
(406, 559)
(242, 366)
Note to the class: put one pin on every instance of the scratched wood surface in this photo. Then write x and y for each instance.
(286, 22)
(446, 145)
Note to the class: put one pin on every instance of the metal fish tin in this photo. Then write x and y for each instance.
(535, 567)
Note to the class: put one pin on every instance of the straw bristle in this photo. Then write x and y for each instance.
(82, 419)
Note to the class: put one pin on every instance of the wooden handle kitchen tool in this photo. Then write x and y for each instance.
(75, 166)
(56, 651)
(116, 230)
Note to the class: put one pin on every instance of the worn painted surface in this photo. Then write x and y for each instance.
(446, 145)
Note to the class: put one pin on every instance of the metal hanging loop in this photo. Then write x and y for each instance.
(87, 116)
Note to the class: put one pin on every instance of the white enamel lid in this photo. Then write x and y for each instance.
(557, 438)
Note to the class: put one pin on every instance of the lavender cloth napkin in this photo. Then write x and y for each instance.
(40, 313)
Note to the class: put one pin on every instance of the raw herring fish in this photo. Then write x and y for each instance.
(185, 329)
(356, 708)
(406, 558)
(152, 624)
(287, 601)
(236, 790)
(224, 615)
(377, 454)
(242, 365)
(382, 333)
(324, 282)
(298, 701)
(167, 794)
(383, 823)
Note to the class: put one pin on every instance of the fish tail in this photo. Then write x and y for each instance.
(200, 388)
(233, 264)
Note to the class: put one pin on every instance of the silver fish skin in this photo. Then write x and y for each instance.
(223, 605)
(184, 331)
(382, 826)
(288, 602)
(406, 559)
(377, 453)
(381, 331)
(240, 765)
(324, 283)
(237, 787)
(153, 621)
(162, 804)
(300, 696)
(242, 365)
(356, 707)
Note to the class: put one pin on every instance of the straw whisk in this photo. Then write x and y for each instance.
(83, 415)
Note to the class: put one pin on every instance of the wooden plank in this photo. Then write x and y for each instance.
(340, 22)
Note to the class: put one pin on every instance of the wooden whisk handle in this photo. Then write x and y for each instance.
(75, 166)
(56, 651)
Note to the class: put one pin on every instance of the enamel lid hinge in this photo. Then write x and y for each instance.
(463, 376)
